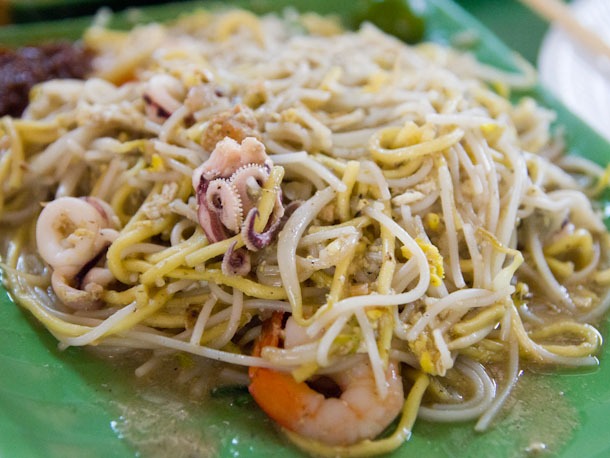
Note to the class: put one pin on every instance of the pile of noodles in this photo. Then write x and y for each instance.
(437, 224)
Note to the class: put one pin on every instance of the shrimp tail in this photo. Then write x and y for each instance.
(277, 393)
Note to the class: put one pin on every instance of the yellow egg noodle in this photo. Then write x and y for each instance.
(312, 204)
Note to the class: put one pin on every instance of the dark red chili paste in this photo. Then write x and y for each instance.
(22, 68)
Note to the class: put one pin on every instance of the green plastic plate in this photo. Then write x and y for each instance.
(56, 404)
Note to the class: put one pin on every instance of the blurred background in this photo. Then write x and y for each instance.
(509, 19)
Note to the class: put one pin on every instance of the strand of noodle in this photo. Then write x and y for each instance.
(220, 317)
(468, 410)
(11, 171)
(378, 179)
(176, 235)
(512, 375)
(479, 389)
(551, 286)
(508, 218)
(484, 157)
(580, 208)
(463, 119)
(274, 147)
(342, 122)
(249, 336)
(220, 293)
(124, 344)
(27, 279)
(324, 347)
(163, 176)
(470, 168)
(202, 319)
(325, 314)
(210, 353)
(582, 165)
(45, 315)
(445, 356)
(147, 367)
(390, 156)
(18, 217)
(525, 79)
(463, 299)
(309, 175)
(172, 122)
(350, 176)
(470, 339)
(194, 157)
(313, 167)
(352, 138)
(179, 167)
(174, 260)
(527, 315)
(99, 331)
(342, 364)
(290, 357)
(290, 158)
(544, 202)
(538, 352)
(448, 204)
(323, 235)
(559, 177)
(597, 312)
(373, 353)
(185, 210)
(287, 247)
(291, 133)
(234, 319)
(343, 263)
(104, 186)
(422, 205)
(70, 180)
(414, 178)
(85, 321)
(405, 275)
(247, 286)
(179, 285)
(265, 304)
(580, 276)
(54, 154)
(186, 375)
(322, 132)
(404, 357)
(475, 256)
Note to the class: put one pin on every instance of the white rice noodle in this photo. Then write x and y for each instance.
(288, 240)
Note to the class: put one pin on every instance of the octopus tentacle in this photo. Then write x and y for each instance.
(248, 181)
(228, 156)
(228, 186)
(159, 101)
(222, 199)
(236, 262)
(208, 220)
(255, 241)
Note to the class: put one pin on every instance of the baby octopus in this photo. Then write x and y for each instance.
(228, 186)
(71, 234)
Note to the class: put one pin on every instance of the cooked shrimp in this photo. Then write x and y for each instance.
(358, 413)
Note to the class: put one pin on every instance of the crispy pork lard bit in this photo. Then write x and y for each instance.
(71, 234)
(237, 123)
(228, 186)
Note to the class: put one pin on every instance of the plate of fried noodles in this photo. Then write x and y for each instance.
(287, 232)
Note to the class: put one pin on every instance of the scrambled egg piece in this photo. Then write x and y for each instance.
(434, 257)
